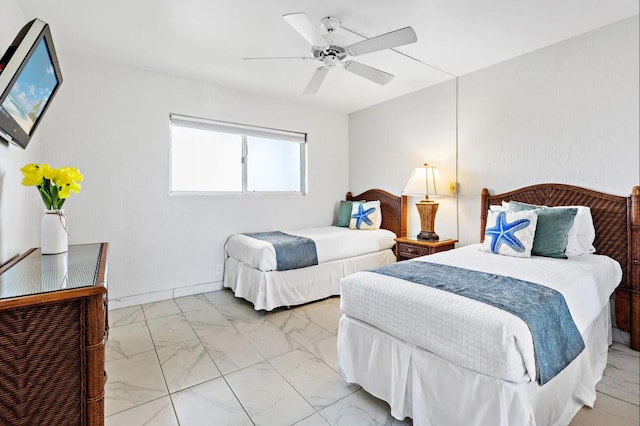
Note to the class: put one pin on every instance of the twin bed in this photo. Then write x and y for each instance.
(445, 358)
(442, 358)
(251, 266)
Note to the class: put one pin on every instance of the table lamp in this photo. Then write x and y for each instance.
(423, 182)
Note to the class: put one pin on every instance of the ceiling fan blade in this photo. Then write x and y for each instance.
(390, 40)
(307, 29)
(368, 72)
(316, 80)
(280, 57)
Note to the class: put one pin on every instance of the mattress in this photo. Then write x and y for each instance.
(469, 333)
(332, 243)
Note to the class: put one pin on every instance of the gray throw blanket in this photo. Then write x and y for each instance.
(556, 339)
(292, 252)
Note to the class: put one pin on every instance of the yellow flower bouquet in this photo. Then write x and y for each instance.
(54, 185)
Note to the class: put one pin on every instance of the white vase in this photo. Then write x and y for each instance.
(54, 237)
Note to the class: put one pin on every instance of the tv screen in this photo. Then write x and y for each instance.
(29, 78)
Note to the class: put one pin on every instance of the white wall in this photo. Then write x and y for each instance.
(567, 113)
(113, 123)
(20, 207)
(387, 141)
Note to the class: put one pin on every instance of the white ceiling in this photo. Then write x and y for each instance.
(205, 40)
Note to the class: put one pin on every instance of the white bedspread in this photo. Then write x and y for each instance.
(469, 333)
(332, 243)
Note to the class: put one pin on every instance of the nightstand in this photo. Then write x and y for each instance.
(410, 247)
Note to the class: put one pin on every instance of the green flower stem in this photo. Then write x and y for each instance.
(45, 196)
(55, 200)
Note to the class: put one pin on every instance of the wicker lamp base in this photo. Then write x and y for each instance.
(427, 210)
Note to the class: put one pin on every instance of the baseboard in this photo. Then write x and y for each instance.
(157, 296)
(197, 289)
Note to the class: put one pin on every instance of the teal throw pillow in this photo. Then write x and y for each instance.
(344, 213)
(552, 231)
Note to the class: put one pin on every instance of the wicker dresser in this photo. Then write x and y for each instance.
(53, 325)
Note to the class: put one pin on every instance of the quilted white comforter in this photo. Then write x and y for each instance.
(332, 243)
(467, 332)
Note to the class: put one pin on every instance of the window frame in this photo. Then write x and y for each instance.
(244, 131)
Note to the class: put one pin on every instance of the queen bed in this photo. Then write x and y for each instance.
(442, 357)
(253, 271)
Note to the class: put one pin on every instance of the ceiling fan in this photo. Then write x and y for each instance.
(331, 48)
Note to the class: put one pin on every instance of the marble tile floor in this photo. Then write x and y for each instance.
(211, 359)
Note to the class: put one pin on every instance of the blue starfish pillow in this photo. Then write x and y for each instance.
(366, 215)
(510, 233)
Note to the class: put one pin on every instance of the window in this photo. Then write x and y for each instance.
(215, 156)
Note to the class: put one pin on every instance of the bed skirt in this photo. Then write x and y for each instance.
(418, 384)
(269, 290)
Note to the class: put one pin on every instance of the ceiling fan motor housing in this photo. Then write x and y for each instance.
(332, 51)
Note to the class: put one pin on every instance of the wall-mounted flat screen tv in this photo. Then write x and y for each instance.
(29, 79)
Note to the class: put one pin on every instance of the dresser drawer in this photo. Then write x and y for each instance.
(410, 251)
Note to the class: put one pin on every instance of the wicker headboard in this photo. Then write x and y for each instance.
(617, 223)
(394, 209)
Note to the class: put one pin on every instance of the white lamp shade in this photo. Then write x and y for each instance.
(423, 181)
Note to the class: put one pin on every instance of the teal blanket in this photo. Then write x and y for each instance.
(556, 339)
(292, 251)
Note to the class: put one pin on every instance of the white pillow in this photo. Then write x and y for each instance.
(367, 215)
(510, 233)
(581, 234)
(500, 207)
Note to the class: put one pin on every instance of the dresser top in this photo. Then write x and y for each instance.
(36, 273)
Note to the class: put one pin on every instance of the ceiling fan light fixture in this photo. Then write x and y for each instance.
(330, 61)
